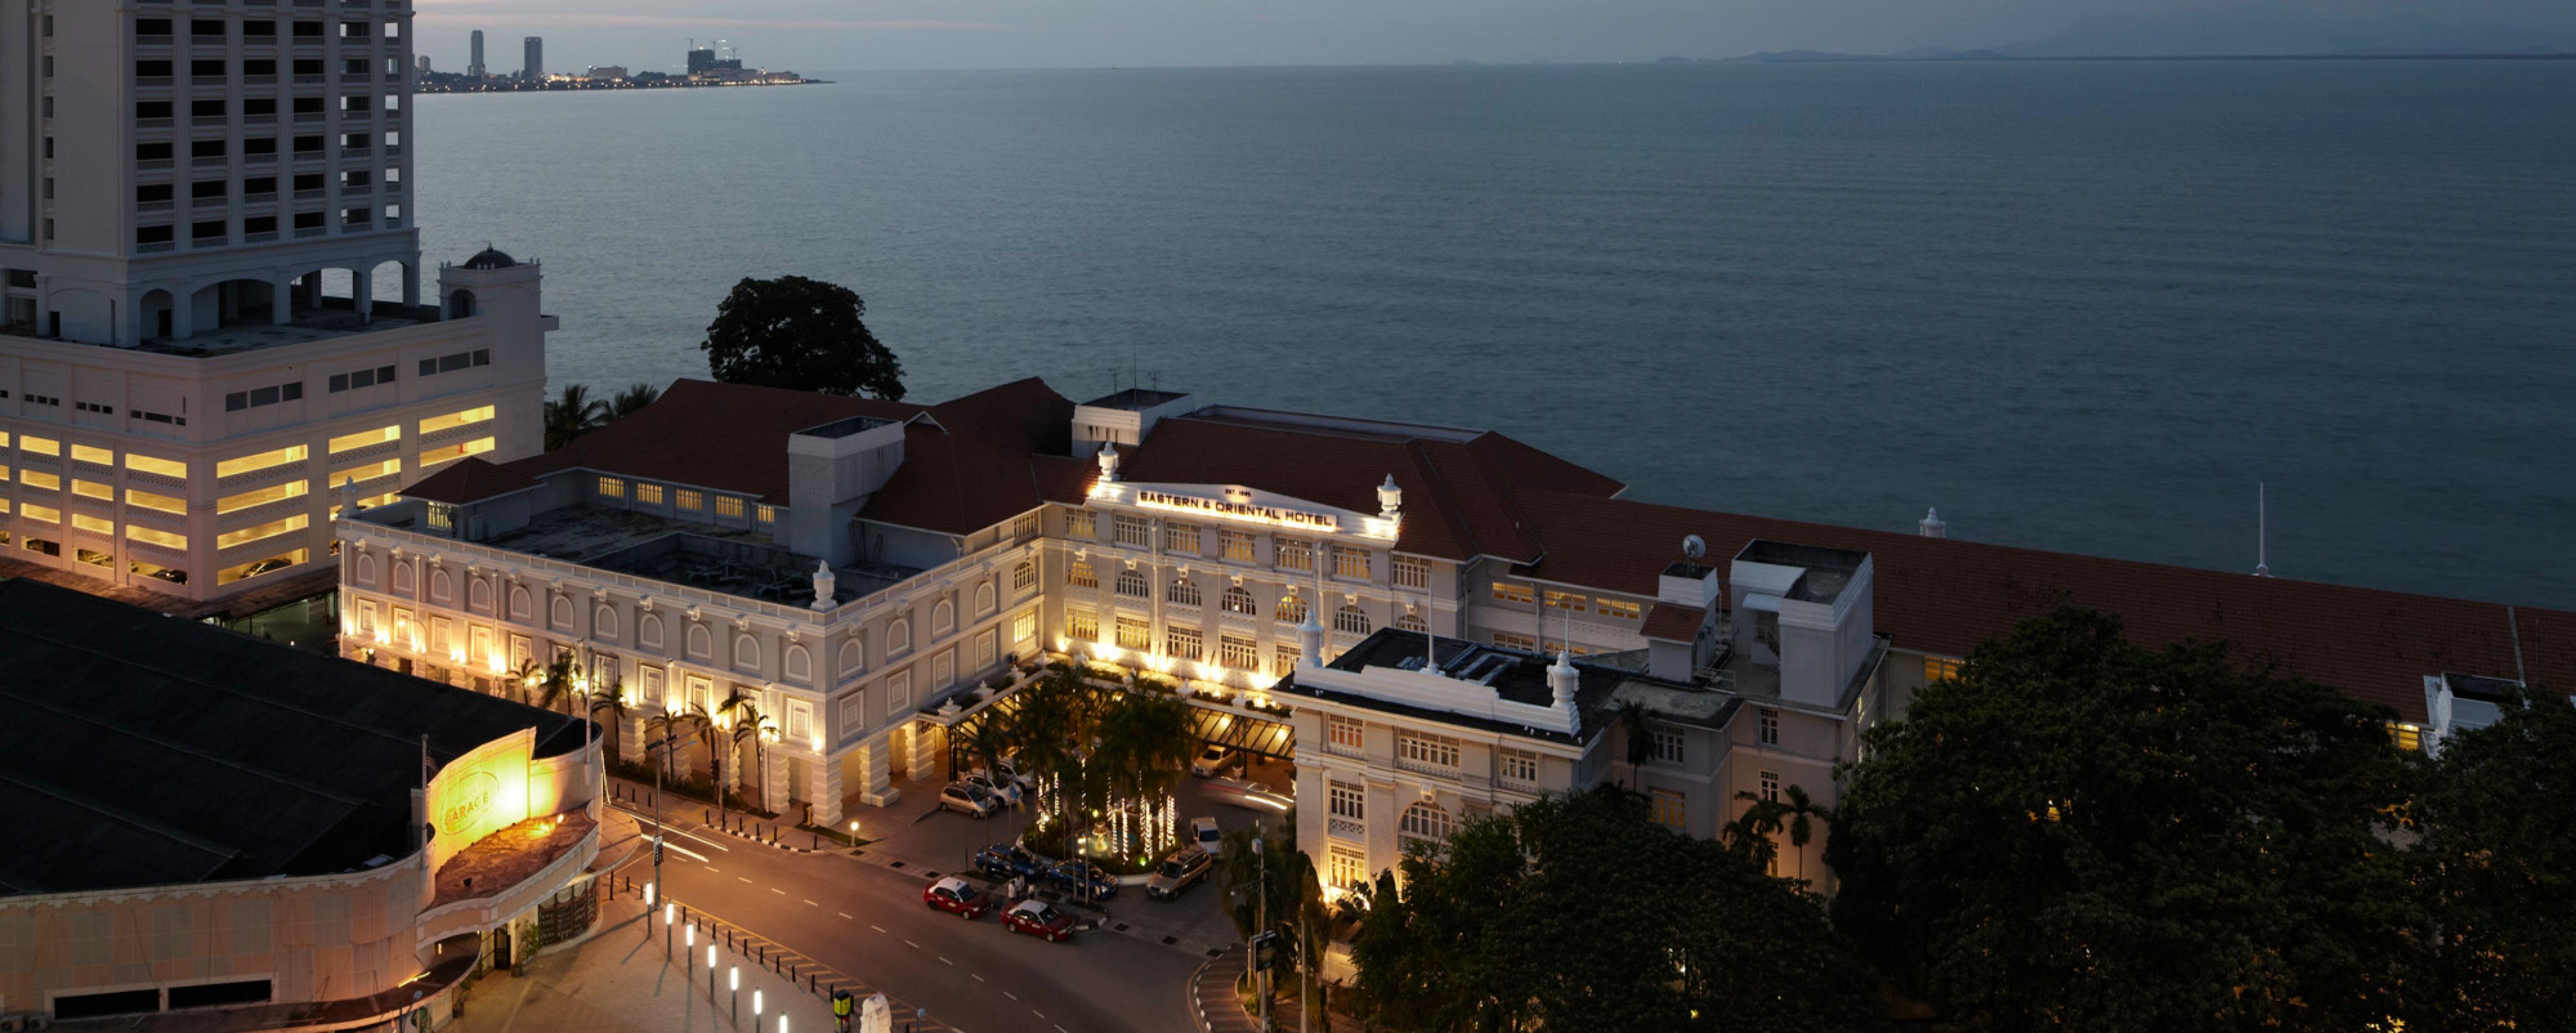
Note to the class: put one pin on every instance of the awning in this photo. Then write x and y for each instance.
(1272, 739)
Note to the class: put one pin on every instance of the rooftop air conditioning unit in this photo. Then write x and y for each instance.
(12, 1023)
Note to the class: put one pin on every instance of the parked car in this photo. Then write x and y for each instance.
(1083, 878)
(1214, 760)
(1180, 870)
(1035, 918)
(1007, 860)
(973, 801)
(1005, 789)
(1203, 831)
(1241, 793)
(957, 897)
(1009, 769)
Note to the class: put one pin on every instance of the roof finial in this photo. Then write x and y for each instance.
(1932, 526)
(2262, 566)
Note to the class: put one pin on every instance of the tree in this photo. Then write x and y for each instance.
(2497, 860)
(2081, 833)
(747, 728)
(611, 697)
(571, 414)
(802, 334)
(632, 400)
(1580, 912)
(664, 729)
(1145, 742)
(555, 683)
(1795, 815)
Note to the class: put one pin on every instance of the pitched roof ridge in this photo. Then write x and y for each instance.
(1450, 512)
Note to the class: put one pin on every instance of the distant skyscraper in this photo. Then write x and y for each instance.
(701, 59)
(535, 65)
(424, 64)
(474, 67)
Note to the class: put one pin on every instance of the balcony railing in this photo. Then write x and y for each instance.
(154, 164)
(149, 82)
(153, 206)
(209, 242)
(152, 123)
(215, 162)
(311, 231)
(259, 159)
(209, 80)
(308, 80)
(309, 155)
(260, 80)
(357, 116)
(158, 245)
(259, 238)
(259, 120)
(308, 195)
(208, 202)
(393, 222)
(308, 116)
(264, 198)
(1424, 767)
(208, 121)
(1347, 828)
(393, 150)
(357, 152)
(155, 40)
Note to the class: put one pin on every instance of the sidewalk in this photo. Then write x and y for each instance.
(1220, 1011)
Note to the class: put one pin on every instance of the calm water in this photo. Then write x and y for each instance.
(2080, 306)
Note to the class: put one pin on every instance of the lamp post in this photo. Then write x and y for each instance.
(711, 968)
(669, 911)
(755, 1011)
(648, 912)
(689, 958)
(733, 980)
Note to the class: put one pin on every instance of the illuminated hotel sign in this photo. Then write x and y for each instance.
(468, 804)
(1238, 507)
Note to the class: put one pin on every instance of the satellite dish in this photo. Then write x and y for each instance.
(1693, 547)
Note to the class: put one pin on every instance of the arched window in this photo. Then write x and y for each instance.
(1291, 609)
(983, 598)
(1024, 576)
(854, 658)
(943, 618)
(1181, 592)
(648, 630)
(522, 605)
(560, 613)
(1412, 622)
(1132, 582)
(798, 664)
(603, 622)
(1239, 601)
(1349, 619)
(898, 637)
(701, 643)
(366, 568)
(402, 577)
(460, 304)
(441, 586)
(746, 652)
(478, 595)
(1426, 823)
(1079, 575)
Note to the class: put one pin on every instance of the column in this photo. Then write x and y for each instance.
(926, 738)
(823, 788)
(411, 276)
(362, 292)
(773, 779)
(878, 788)
(281, 299)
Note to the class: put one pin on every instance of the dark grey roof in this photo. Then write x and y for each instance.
(1136, 399)
(491, 258)
(1514, 675)
(137, 749)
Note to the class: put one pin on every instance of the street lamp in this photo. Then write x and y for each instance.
(755, 1011)
(669, 911)
(711, 968)
(733, 980)
(689, 957)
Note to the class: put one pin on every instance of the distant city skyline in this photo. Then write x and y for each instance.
(826, 35)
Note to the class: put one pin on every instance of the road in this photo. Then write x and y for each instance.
(870, 923)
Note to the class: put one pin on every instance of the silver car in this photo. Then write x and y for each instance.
(970, 800)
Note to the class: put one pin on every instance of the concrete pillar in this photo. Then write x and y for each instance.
(281, 299)
(773, 779)
(183, 311)
(411, 283)
(925, 750)
(876, 786)
(362, 292)
(823, 790)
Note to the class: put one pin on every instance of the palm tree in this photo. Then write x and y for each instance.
(611, 697)
(1145, 741)
(524, 675)
(986, 741)
(1640, 734)
(633, 400)
(1767, 818)
(557, 683)
(747, 721)
(1044, 731)
(661, 727)
(572, 414)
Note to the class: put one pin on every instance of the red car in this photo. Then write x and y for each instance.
(956, 896)
(1037, 919)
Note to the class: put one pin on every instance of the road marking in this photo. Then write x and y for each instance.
(686, 852)
(945, 961)
(812, 904)
(740, 877)
(1041, 1015)
(677, 831)
(776, 890)
(712, 868)
(909, 943)
(878, 928)
(978, 979)
(1010, 995)
(844, 914)
(1060, 1029)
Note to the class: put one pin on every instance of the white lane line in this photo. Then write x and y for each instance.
(685, 852)
(812, 904)
(878, 928)
(945, 961)
(712, 868)
(978, 979)
(1041, 1015)
(909, 943)
(740, 877)
(778, 891)
(1060, 1029)
(844, 914)
(676, 830)
(1010, 995)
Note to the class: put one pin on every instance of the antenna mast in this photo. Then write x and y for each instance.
(2262, 531)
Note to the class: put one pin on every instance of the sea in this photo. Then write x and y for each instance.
(2076, 305)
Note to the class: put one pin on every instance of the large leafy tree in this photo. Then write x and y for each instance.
(1581, 913)
(2081, 833)
(797, 333)
(2498, 861)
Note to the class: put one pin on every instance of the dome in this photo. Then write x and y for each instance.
(490, 258)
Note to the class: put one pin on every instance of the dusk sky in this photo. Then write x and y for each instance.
(842, 35)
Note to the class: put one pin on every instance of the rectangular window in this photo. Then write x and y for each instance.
(729, 506)
(433, 456)
(364, 438)
(1343, 734)
(95, 525)
(1132, 531)
(1181, 538)
(767, 514)
(612, 488)
(1235, 545)
(1082, 523)
(1518, 595)
(40, 479)
(1351, 563)
(1520, 767)
(1346, 868)
(156, 536)
(161, 503)
(34, 445)
(1347, 800)
(1665, 741)
(1936, 668)
(1081, 625)
(256, 532)
(366, 471)
(1183, 643)
(257, 567)
(93, 454)
(1569, 601)
(2408, 737)
(93, 489)
(1080, 575)
(1620, 608)
(1667, 809)
(260, 496)
(1507, 640)
(1422, 750)
(1412, 572)
(1135, 633)
(649, 494)
(1024, 627)
(692, 499)
(1766, 727)
(435, 424)
(1237, 652)
(40, 514)
(1292, 554)
(152, 465)
(1283, 659)
(260, 460)
(1770, 782)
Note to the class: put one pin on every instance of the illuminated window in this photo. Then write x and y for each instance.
(1346, 801)
(44, 545)
(93, 489)
(42, 514)
(1132, 531)
(1081, 625)
(95, 525)
(1181, 592)
(1024, 576)
(260, 496)
(1620, 608)
(768, 514)
(1025, 626)
(162, 503)
(649, 494)
(152, 465)
(1283, 659)
(1236, 600)
(1294, 555)
(1667, 809)
(1936, 668)
(93, 454)
(260, 460)
(1132, 582)
(1291, 610)
(1424, 825)
(729, 506)
(1082, 523)
(1351, 621)
(1346, 868)
(1183, 643)
(435, 424)
(1569, 601)
(1237, 652)
(258, 567)
(1235, 545)
(1345, 733)
(444, 453)
(2409, 737)
(1411, 621)
(1079, 575)
(1507, 640)
(691, 499)
(1349, 562)
(365, 472)
(1766, 727)
(612, 488)
(256, 532)
(364, 438)
(1181, 538)
(1412, 572)
(1520, 767)
(1665, 742)
(40, 479)
(1520, 594)
(34, 445)
(140, 568)
(1134, 633)
(1420, 749)
(93, 557)
(1770, 782)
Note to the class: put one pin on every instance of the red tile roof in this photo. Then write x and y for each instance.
(1944, 596)
(469, 480)
(728, 437)
(1674, 623)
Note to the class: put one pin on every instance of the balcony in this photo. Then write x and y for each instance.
(153, 206)
(309, 155)
(160, 245)
(155, 40)
(209, 80)
(357, 116)
(265, 198)
(308, 116)
(215, 162)
(311, 231)
(1351, 829)
(208, 202)
(308, 80)
(259, 159)
(209, 121)
(154, 164)
(152, 82)
(207, 242)
(308, 195)
(357, 152)
(262, 237)
(393, 222)
(152, 123)
(506, 871)
(393, 150)
(260, 80)
(259, 120)
(1424, 767)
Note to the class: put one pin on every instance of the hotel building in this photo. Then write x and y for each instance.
(199, 821)
(177, 392)
(855, 567)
